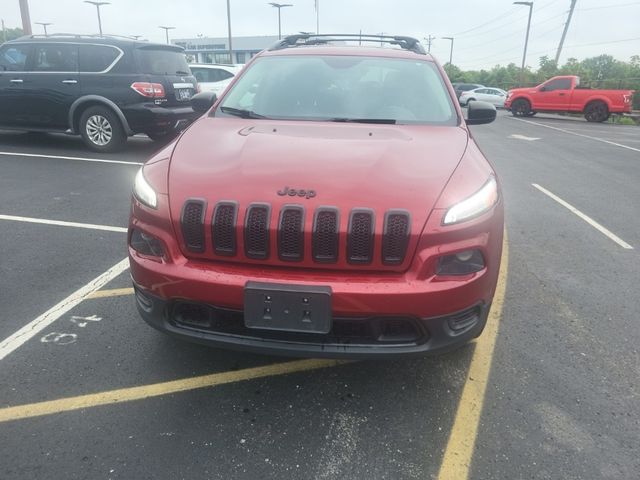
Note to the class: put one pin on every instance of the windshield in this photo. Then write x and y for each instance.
(162, 61)
(342, 88)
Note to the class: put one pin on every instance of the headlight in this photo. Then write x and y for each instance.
(475, 205)
(143, 191)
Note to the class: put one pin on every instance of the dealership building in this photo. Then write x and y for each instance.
(216, 50)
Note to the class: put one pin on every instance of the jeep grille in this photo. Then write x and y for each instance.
(228, 223)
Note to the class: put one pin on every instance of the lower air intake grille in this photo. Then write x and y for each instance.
(395, 238)
(223, 228)
(291, 233)
(360, 240)
(256, 231)
(193, 225)
(325, 235)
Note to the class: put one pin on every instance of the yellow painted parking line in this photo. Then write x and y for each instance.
(158, 389)
(114, 292)
(459, 452)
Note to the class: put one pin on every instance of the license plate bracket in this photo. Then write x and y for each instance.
(289, 308)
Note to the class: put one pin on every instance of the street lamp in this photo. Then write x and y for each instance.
(280, 6)
(526, 39)
(166, 31)
(98, 5)
(44, 25)
(450, 51)
(229, 31)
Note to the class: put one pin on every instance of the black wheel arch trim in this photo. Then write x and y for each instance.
(106, 102)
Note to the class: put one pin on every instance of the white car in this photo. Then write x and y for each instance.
(496, 96)
(214, 77)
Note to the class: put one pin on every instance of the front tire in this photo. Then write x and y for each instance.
(596, 112)
(520, 108)
(101, 130)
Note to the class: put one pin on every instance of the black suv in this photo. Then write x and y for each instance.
(103, 88)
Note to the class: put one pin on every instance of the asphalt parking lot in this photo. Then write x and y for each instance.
(550, 390)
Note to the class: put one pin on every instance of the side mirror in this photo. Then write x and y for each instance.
(543, 89)
(480, 113)
(202, 102)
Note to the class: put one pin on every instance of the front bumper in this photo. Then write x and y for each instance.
(363, 303)
(151, 118)
(384, 336)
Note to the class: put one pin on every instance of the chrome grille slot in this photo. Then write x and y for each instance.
(360, 236)
(325, 235)
(192, 221)
(395, 238)
(223, 228)
(256, 231)
(291, 233)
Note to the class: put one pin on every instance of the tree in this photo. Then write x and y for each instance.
(12, 34)
(548, 68)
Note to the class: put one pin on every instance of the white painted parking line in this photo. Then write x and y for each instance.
(33, 328)
(60, 223)
(62, 157)
(578, 134)
(584, 217)
(523, 137)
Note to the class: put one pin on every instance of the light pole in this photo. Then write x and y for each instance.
(44, 25)
(429, 40)
(450, 51)
(280, 6)
(98, 5)
(26, 18)
(526, 38)
(166, 31)
(229, 29)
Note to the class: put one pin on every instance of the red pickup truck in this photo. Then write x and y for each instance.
(564, 94)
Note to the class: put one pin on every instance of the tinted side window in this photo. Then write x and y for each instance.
(96, 58)
(200, 74)
(559, 84)
(13, 58)
(217, 75)
(56, 58)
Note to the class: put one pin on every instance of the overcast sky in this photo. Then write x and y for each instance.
(486, 32)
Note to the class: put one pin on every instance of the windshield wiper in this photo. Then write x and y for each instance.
(238, 112)
(389, 121)
(180, 72)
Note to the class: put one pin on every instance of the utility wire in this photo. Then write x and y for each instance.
(607, 7)
(512, 34)
(580, 45)
(502, 25)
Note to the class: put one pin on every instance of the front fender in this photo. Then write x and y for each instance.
(520, 96)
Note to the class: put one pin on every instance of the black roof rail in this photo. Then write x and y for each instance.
(78, 35)
(303, 39)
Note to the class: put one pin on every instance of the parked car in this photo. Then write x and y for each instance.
(564, 94)
(463, 87)
(494, 96)
(102, 88)
(214, 77)
(304, 216)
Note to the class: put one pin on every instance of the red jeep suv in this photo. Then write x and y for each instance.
(332, 203)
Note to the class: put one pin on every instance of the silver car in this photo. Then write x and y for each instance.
(214, 77)
(495, 96)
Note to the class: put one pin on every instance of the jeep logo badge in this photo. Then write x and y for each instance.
(292, 192)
